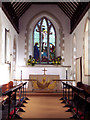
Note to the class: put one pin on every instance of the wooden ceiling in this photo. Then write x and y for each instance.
(72, 8)
(69, 8)
(20, 7)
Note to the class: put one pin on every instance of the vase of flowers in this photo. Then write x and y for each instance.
(57, 61)
(31, 61)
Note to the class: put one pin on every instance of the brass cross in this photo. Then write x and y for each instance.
(44, 70)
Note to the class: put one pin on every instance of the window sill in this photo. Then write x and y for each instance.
(40, 65)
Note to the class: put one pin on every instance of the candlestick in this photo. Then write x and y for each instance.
(66, 73)
(21, 75)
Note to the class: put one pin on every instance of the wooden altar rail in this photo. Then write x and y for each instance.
(25, 80)
(36, 80)
(62, 80)
(54, 80)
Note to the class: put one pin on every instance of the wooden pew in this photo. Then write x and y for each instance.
(12, 111)
(5, 88)
(84, 86)
(83, 91)
(9, 94)
(86, 89)
(85, 97)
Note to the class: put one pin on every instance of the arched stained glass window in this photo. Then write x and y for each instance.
(44, 41)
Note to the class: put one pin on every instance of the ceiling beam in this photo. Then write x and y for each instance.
(17, 5)
(21, 8)
(24, 10)
(13, 19)
(68, 8)
(64, 10)
(78, 15)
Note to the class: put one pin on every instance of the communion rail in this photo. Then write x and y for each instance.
(54, 85)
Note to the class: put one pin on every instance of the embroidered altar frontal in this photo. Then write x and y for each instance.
(44, 83)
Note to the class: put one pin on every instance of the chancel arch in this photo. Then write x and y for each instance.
(59, 38)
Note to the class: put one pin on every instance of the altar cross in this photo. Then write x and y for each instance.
(44, 70)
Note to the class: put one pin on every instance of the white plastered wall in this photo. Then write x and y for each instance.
(5, 75)
(79, 34)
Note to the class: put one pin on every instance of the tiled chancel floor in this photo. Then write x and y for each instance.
(44, 107)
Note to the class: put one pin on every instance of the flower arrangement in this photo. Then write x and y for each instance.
(57, 61)
(31, 61)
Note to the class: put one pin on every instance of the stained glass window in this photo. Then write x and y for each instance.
(52, 43)
(44, 41)
(36, 35)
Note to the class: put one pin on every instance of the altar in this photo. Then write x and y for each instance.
(44, 83)
(40, 77)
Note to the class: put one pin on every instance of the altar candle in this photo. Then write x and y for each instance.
(66, 73)
(21, 75)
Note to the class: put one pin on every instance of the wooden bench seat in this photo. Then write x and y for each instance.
(5, 88)
(79, 103)
(14, 106)
(86, 89)
(84, 86)
(3, 98)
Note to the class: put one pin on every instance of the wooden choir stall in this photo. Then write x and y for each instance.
(77, 98)
(11, 103)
